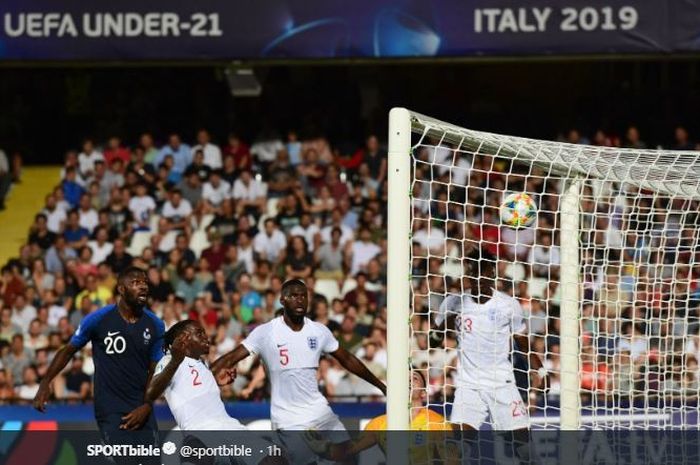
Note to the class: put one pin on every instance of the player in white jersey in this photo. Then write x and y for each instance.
(290, 347)
(487, 321)
(192, 390)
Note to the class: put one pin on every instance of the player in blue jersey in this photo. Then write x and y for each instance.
(127, 343)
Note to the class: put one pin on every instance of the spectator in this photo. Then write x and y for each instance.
(35, 338)
(216, 253)
(72, 190)
(54, 216)
(88, 215)
(23, 312)
(176, 210)
(181, 153)
(100, 247)
(58, 254)
(75, 235)
(308, 230)
(216, 190)
(212, 153)
(144, 170)
(142, 207)
(360, 292)
(329, 258)
(190, 286)
(39, 233)
(293, 147)
(633, 140)
(149, 150)
(40, 279)
(682, 140)
(87, 158)
(119, 259)
(17, 359)
(250, 195)
(337, 222)
(312, 173)
(250, 298)
(29, 387)
(282, 176)
(115, 151)
(360, 252)
(376, 159)
(8, 328)
(99, 295)
(266, 148)
(77, 384)
(239, 153)
(298, 263)
(198, 166)
(191, 188)
(218, 290)
(270, 243)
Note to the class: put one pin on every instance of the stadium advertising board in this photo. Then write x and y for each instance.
(269, 29)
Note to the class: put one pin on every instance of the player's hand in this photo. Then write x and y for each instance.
(316, 443)
(42, 397)
(226, 376)
(136, 418)
(180, 345)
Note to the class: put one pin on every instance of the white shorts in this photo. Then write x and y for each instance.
(299, 452)
(503, 405)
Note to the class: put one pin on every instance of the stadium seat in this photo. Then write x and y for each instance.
(272, 207)
(348, 286)
(199, 242)
(139, 241)
(328, 288)
(515, 272)
(536, 287)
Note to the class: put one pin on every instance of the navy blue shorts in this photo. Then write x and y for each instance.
(146, 436)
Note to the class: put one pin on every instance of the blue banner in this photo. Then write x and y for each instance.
(267, 29)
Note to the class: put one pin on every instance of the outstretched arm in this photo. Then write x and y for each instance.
(59, 362)
(535, 363)
(159, 382)
(230, 359)
(356, 367)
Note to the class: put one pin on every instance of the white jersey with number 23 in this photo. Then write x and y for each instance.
(485, 334)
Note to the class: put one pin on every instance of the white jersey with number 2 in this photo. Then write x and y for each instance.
(194, 397)
(485, 334)
(291, 358)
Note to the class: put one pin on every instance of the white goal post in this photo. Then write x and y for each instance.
(621, 196)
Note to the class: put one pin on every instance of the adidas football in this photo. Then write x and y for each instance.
(518, 211)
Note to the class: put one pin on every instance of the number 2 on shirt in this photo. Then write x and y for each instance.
(195, 379)
(284, 357)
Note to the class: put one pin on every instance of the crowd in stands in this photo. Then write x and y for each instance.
(220, 227)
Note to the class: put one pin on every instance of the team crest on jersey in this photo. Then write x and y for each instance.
(146, 336)
(313, 342)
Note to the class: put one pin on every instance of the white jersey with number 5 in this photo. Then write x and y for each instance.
(485, 334)
(194, 397)
(291, 358)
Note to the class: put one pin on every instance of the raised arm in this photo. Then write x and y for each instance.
(535, 363)
(159, 382)
(356, 367)
(230, 359)
(59, 362)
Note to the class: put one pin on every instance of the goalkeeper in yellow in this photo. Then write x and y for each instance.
(424, 448)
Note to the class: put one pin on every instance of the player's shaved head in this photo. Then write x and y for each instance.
(288, 285)
(129, 273)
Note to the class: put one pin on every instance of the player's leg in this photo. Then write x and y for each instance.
(510, 414)
(112, 434)
(334, 430)
(469, 411)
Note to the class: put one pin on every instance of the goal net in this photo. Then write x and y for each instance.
(606, 277)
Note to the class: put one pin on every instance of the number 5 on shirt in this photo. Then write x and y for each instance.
(284, 357)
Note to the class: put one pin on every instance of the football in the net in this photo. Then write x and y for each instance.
(518, 210)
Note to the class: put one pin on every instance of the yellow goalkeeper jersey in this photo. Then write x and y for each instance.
(423, 447)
